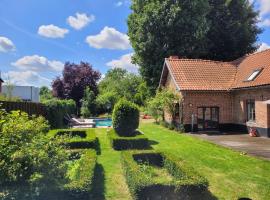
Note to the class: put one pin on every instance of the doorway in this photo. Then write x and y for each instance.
(208, 118)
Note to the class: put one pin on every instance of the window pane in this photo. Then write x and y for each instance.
(251, 110)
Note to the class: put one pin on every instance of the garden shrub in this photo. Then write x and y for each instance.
(78, 139)
(125, 118)
(31, 164)
(139, 141)
(143, 182)
(56, 110)
(80, 176)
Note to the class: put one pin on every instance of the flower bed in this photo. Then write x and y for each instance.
(152, 175)
(139, 141)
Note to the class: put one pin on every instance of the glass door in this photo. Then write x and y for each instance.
(208, 118)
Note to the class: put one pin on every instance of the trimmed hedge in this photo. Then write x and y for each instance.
(126, 117)
(81, 175)
(186, 183)
(57, 109)
(77, 185)
(77, 138)
(139, 141)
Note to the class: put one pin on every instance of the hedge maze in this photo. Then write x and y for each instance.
(82, 148)
(149, 174)
(155, 175)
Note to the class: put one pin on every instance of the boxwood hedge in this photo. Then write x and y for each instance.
(77, 138)
(80, 176)
(186, 183)
(139, 141)
(125, 118)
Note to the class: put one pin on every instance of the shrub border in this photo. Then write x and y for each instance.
(81, 187)
(90, 141)
(125, 143)
(185, 175)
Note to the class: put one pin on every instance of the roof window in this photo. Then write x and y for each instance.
(254, 75)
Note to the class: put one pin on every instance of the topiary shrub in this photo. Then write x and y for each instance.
(125, 118)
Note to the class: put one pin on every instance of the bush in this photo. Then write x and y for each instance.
(126, 118)
(80, 175)
(141, 175)
(31, 163)
(57, 109)
(77, 139)
(139, 141)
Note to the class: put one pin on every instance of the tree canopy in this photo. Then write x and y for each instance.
(213, 29)
(117, 84)
(75, 79)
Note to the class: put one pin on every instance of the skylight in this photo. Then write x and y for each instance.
(254, 75)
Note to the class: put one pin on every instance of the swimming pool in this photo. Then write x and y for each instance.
(103, 122)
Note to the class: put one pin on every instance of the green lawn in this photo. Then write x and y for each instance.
(230, 174)
(110, 182)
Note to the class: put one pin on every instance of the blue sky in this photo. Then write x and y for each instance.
(38, 37)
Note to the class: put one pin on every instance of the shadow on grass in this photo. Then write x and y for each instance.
(97, 147)
(207, 195)
(98, 189)
(153, 142)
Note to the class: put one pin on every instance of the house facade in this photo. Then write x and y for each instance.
(26, 93)
(226, 96)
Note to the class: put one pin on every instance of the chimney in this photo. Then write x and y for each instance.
(173, 57)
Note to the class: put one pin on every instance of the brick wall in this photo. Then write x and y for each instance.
(193, 100)
(268, 115)
(261, 113)
(239, 104)
(171, 86)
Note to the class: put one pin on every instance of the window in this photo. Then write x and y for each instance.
(251, 110)
(254, 75)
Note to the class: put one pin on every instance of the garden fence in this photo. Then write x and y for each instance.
(28, 107)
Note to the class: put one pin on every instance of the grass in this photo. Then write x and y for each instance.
(231, 175)
(110, 170)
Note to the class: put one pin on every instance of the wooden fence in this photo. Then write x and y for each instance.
(28, 107)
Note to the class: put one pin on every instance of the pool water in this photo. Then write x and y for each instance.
(103, 122)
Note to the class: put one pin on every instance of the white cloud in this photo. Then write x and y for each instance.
(109, 38)
(122, 3)
(264, 22)
(263, 47)
(26, 78)
(6, 45)
(80, 20)
(52, 31)
(264, 7)
(119, 3)
(38, 63)
(124, 62)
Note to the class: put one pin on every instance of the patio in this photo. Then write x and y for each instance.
(255, 146)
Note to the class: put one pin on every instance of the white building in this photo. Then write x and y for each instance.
(26, 93)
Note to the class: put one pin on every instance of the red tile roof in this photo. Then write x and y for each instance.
(246, 67)
(196, 74)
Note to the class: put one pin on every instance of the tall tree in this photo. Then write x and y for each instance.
(75, 79)
(160, 28)
(88, 108)
(233, 29)
(117, 84)
(45, 94)
(212, 29)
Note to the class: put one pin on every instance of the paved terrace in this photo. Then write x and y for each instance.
(255, 146)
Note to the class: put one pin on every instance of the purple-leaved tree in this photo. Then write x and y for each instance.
(75, 78)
